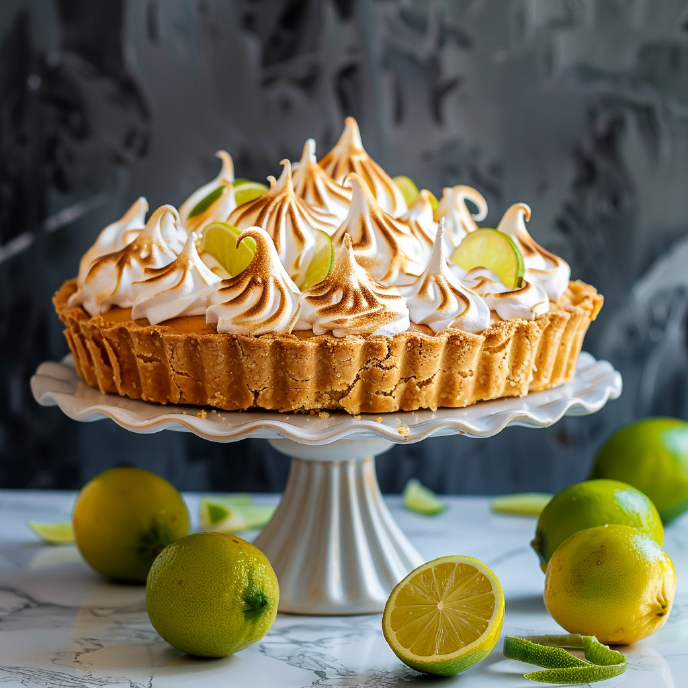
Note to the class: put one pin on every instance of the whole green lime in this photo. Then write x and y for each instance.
(212, 594)
(594, 503)
(651, 455)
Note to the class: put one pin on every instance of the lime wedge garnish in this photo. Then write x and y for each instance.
(524, 504)
(219, 240)
(245, 191)
(421, 499)
(408, 189)
(321, 264)
(55, 533)
(434, 203)
(494, 250)
(206, 201)
(233, 514)
(550, 651)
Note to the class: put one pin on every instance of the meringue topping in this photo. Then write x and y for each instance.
(528, 302)
(317, 188)
(437, 298)
(220, 207)
(351, 302)
(115, 236)
(383, 246)
(259, 300)
(348, 155)
(459, 219)
(183, 287)
(110, 277)
(542, 267)
(419, 219)
(288, 220)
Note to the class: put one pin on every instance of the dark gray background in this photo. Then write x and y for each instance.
(579, 108)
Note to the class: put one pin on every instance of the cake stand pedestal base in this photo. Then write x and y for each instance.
(332, 541)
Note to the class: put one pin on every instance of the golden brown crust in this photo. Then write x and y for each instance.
(184, 361)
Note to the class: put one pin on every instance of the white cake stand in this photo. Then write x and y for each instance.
(332, 541)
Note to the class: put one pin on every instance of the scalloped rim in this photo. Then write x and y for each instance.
(595, 383)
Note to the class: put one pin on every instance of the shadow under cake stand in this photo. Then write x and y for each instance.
(332, 541)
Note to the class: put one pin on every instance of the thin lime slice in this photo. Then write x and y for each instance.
(218, 507)
(494, 250)
(434, 203)
(408, 189)
(421, 499)
(219, 240)
(321, 264)
(60, 533)
(247, 191)
(224, 517)
(550, 651)
(524, 504)
(207, 201)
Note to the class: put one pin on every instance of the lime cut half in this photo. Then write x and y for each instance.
(525, 504)
(421, 499)
(321, 264)
(219, 240)
(494, 250)
(408, 189)
(55, 533)
(446, 616)
(245, 191)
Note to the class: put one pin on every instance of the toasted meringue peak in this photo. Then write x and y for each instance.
(115, 236)
(542, 267)
(348, 155)
(183, 287)
(351, 302)
(419, 219)
(290, 222)
(528, 302)
(459, 219)
(259, 300)
(437, 298)
(385, 247)
(110, 277)
(221, 207)
(317, 188)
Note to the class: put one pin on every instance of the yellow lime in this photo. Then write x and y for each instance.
(233, 514)
(220, 241)
(421, 499)
(245, 191)
(612, 582)
(494, 250)
(446, 616)
(408, 189)
(594, 503)
(211, 594)
(321, 264)
(124, 518)
(651, 455)
(524, 504)
(55, 533)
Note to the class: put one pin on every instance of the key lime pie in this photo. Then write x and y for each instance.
(328, 289)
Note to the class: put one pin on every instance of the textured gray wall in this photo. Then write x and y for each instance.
(579, 108)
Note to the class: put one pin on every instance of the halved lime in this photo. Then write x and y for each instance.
(524, 504)
(494, 250)
(245, 191)
(408, 189)
(232, 515)
(321, 264)
(60, 533)
(421, 499)
(219, 240)
(207, 201)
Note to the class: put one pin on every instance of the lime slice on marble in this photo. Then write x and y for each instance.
(245, 191)
(233, 514)
(219, 240)
(321, 264)
(421, 499)
(524, 504)
(408, 189)
(494, 250)
(60, 533)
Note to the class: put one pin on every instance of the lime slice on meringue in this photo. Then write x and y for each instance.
(494, 250)
(206, 201)
(321, 264)
(246, 190)
(408, 189)
(434, 203)
(219, 240)
(60, 533)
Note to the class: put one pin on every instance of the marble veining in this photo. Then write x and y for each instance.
(62, 626)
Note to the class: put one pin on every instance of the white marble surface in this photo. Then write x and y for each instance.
(62, 626)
